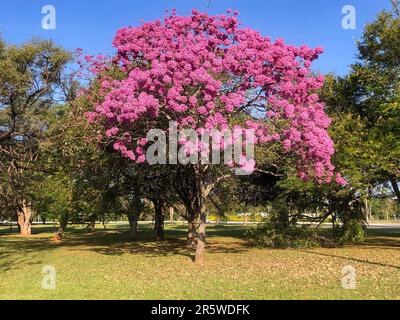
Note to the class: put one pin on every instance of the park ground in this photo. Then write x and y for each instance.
(108, 264)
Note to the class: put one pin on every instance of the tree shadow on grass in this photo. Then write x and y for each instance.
(17, 251)
(119, 243)
(6, 265)
(377, 239)
(384, 232)
(37, 229)
(115, 241)
(383, 238)
(382, 244)
(380, 264)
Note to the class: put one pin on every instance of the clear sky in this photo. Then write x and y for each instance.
(91, 24)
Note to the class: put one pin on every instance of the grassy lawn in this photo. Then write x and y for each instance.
(109, 265)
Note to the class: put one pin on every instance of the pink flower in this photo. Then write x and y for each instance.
(117, 146)
(167, 79)
(248, 166)
(340, 180)
(112, 132)
(142, 141)
(91, 116)
(129, 154)
(141, 159)
(206, 72)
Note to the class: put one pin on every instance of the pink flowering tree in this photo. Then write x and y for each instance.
(207, 73)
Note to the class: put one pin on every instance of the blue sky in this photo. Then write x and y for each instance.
(91, 24)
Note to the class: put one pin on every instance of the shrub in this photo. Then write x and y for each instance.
(352, 231)
(270, 234)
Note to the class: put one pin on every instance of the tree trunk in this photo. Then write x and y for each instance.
(396, 188)
(25, 220)
(194, 195)
(370, 212)
(171, 215)
(201, 238)
(191, 235)
(91, 227)
(63, 225)
(135, 210)
(159, 219)
(133, 223)
(201, 234)
(367, 214)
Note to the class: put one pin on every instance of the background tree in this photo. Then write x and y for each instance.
(30, 76)
(365, 106)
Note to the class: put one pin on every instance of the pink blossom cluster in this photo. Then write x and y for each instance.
(90, 64)
(203, 71)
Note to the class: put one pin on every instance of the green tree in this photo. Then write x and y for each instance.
(366, 106)
(31, 77)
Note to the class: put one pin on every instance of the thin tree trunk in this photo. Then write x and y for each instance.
(91, 227)
(171, 215)
(367, 214)
(159, 219)
(63, 225)
(396, 188)
(370, 212)
(135, 210)
(133, 223)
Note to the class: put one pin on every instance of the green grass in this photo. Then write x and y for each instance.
(110, 265)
